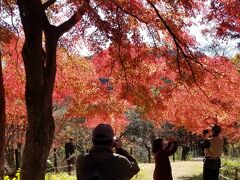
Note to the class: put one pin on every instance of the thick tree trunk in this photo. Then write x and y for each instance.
(2, 121)
(40, 67)
(40, 130)
(40, 77)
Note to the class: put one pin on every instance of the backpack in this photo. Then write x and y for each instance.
(99, 171)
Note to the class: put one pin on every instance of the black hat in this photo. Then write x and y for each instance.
(103, 132)
(216, 128)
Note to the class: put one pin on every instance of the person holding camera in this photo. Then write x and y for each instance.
(161, 151)
(101, 162)
(213, 146)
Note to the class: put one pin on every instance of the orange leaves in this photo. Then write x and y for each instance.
(197, 107)
(149, 72)
(85, 94)
(14, 83)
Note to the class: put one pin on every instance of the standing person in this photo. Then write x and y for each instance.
(161, 154)
(213, 147)
(69, 154)
(101, 162)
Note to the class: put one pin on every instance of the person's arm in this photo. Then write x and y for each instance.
(123, 152)
(204, 144)
(66, 151)
(172, 148)
(131, 166)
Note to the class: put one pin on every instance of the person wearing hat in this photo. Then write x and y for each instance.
(101, 162)
(213, 147)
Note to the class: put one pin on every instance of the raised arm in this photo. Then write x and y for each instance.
(171, 148)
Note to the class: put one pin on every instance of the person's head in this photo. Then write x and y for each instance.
(70, 139)
(216, 129)
(157, 145)
(103, 135)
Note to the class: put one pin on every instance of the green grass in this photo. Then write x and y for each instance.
(146, 172)
(229, 167)
(185, 170)
(59, 176)
(181, 170)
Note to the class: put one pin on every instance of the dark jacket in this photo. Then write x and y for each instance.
(120, 167)
(69, 149)
(163, 169)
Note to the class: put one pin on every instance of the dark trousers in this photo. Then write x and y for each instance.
(211, 169)
(210, 174)
(70, 163)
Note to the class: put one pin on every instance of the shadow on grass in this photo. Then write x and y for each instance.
(195, 177)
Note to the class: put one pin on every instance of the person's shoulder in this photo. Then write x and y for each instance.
(220, 138)
(83, 156)
(216, 138)
(67, 143)
(119, 157)
(115, 155)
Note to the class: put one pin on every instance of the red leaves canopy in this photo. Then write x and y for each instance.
(150, 58)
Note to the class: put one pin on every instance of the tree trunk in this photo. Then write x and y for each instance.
(40, 77)
(40, 68)
(2, 121)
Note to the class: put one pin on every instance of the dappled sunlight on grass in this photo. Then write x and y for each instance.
(182, 170)
(146, 172)
(185, 170)
(59, 176)
(195, 177)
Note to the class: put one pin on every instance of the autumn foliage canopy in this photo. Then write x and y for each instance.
(143, 57)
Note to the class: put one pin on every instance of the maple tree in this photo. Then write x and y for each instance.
(133, 64)
(216, 102)
(166, 96)
(5, 36)
(15, 110)
(83, 97)
(229, 25)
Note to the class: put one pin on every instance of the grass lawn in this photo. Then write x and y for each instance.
(182, 170)
(185, 170)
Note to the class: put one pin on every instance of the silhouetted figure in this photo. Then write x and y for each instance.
(101, 162)
(69, 154)
(185, 152)
(163, 169)
(213, 147)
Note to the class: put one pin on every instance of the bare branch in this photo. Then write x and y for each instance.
(176, 41)
(67, 25)
(131, 14)
(103, 25)
(48, 4)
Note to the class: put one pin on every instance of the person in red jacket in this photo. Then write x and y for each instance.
(161, 154)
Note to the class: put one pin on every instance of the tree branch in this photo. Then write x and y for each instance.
(176, 41)
(131, 14)
(67, 25)
(48, 4)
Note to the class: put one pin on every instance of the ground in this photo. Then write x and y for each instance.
(181, 170)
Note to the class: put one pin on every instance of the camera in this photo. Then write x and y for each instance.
(115, 139)
(205, 131)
